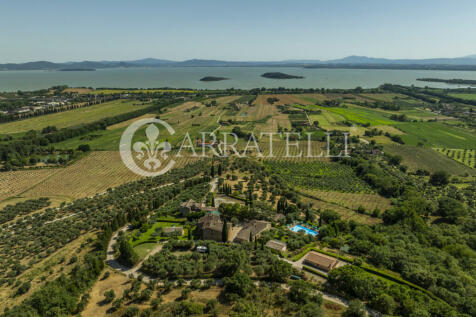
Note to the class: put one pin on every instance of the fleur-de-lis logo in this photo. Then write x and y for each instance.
(151, 153)
(150, 149)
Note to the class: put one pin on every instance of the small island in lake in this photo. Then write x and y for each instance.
(450, 81)
(213, 78)
(77, 70)
(278, 75)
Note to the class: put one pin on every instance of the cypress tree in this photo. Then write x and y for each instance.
(224, 231)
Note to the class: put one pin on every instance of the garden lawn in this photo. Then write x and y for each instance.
(145, 248)
(147, 237)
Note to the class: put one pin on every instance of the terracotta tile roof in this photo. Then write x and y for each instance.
(193, 205)
(321, 260)
(254, 227)
(276, 245)
(211, 221)
(172, 229)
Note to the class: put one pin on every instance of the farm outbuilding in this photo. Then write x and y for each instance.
(172, 231)
(276, 245)
(320, 261)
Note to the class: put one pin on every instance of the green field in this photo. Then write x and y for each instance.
(204, 119)
(360, 115)
(436, 134)
(387, 97)
(464, 96)
(418, 114)
(72, 117)
(101, 140)
(136, 91)
(416, 157)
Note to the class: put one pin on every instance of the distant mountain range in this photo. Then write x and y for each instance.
(458, 63)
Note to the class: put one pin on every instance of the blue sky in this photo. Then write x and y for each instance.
(235, 30)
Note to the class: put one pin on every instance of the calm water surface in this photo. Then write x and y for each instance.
(240, 77)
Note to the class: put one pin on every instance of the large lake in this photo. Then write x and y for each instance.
(240, 77)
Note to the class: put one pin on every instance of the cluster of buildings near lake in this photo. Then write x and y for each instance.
(38, 106)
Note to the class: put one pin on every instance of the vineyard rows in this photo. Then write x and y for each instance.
(92, 175)
(352, 200)
(464, 156)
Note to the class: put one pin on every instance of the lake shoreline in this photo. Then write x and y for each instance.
(239, 78)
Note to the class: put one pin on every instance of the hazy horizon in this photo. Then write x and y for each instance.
(60, 31)
(225, 60)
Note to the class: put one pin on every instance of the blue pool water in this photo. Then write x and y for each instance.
(298, 228)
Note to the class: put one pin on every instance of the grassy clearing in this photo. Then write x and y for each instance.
(464, 96)
(148, 236)
(101, 140)
(419, 114)
(116, 281)
(72, 117)
(390, 129)
(466, 157)
(126, 123)
(145, 248)
(436, 134)
(387, 97)
(329, 120)
(381, 139)
(360, 115)
(332, 309)
(416, 157)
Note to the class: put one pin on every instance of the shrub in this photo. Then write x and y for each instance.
(131, 311)
(109, 296)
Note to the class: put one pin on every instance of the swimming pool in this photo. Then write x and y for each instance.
(298, 228)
